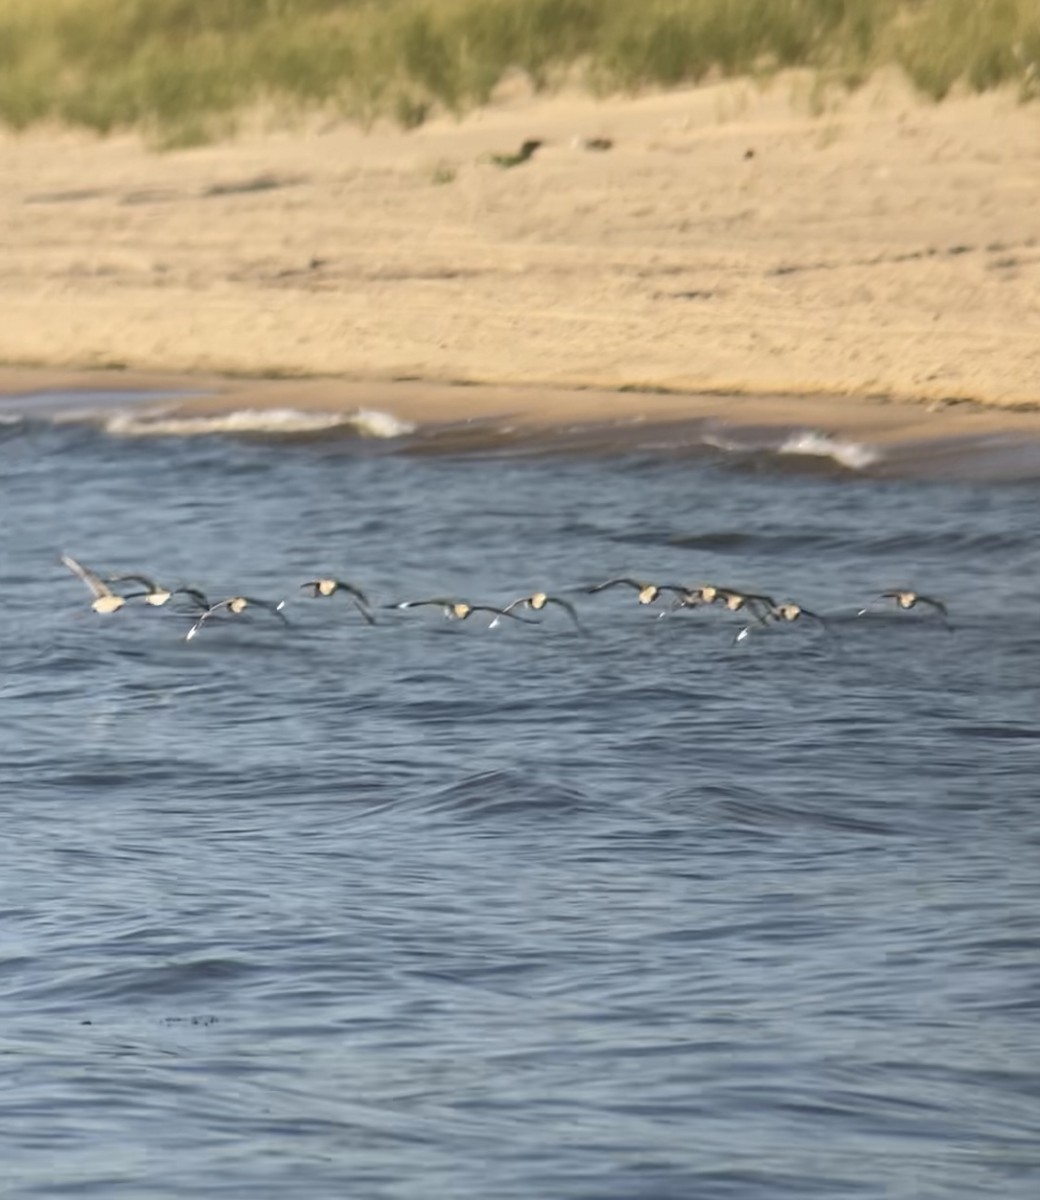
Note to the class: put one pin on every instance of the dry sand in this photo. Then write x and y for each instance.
(760, 261)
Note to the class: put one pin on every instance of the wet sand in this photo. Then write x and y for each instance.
(874, 269)
(422, 402)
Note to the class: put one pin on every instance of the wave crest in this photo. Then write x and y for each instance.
(854, 455)
(364, 422)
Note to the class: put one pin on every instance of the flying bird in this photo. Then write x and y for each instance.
(157, 595)
(459, 610)
(237, 605)
(792, 612)
(537, 602)
(907, 599)
(734, 600)
(329, 587)
(730, 598)
(783, 612)
(647, 592)
(105, 600)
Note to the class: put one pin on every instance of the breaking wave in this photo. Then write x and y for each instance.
(371, 423)
(854, 455)
(1008, 456)
(789, 443)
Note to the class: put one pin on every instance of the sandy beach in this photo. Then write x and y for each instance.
(875, 267)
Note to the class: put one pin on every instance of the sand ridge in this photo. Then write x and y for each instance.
(728, 243)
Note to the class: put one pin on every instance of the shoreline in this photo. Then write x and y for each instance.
(880, 420)
(728, 242)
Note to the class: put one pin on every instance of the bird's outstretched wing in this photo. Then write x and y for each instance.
(354, 591)
(339, 585)
(143, 580)
(92, 580)
(569, 608)
(755, 602)
(228, 603)
(529, 601)
(609, 583)
(200, 598)
(501, 612)
(272, 606)
(365, 612)
(213, 608)
(687, 598)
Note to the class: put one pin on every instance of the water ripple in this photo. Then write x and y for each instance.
(432, 909)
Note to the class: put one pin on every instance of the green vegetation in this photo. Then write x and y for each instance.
(183, 68)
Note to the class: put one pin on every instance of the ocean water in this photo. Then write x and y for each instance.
(428, 909)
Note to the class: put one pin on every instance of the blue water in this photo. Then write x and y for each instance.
(431, 910)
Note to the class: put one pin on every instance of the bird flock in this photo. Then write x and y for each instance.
(762, 610)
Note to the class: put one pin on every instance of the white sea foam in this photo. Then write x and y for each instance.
(853, 455)
(809, 442)
(366, 422)
(373, 422)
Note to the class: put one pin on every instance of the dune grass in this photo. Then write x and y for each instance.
(183, 68)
